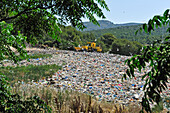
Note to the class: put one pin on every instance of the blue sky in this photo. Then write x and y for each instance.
(124, 11)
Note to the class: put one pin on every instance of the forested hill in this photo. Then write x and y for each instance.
(128, 32)
(105, 24)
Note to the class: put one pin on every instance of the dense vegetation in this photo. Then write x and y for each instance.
(71, 38)
(35, 19)
(105, 24)
(110, 43)
(128, 32)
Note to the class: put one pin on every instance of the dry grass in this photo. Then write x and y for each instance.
(71, 101)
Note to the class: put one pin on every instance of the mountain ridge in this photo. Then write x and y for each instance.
(106, 24)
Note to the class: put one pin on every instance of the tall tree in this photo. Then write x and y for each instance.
(36, 17)
(108, 39)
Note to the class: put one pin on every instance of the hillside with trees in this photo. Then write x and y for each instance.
(105, 24)
(111, 44)
(128, 32)
(70, 38)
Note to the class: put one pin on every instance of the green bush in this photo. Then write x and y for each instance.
(108, 39)
(49, 43)
(125, 47)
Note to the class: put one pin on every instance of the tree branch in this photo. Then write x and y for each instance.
(24, 11)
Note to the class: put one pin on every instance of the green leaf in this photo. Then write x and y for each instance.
(145, 28)
(165, 15)
(158, 23)
(140, 29)
(129, 62)
(126, 61)
(132, 70)
(167, 38)
(168, 30)
(149, 74)
(136, 32)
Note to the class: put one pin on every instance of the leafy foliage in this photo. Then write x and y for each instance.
(157, 21)
(110, 43)
(108, 39)
(155, 57)
(10, 103)
(37, 16)
(8, 40)
(128, 32)
(38, 19)
(70, 37)
(125, 47)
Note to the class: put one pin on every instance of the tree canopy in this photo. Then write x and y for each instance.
(111, 44)
(128, 32)
(66, 10)
(37, 18)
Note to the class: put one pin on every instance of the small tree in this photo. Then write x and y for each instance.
(125, 47)
(108, 39)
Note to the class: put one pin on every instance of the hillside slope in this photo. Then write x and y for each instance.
(128, 32)
(105, 24)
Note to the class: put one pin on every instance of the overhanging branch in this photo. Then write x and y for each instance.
(24, 11)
